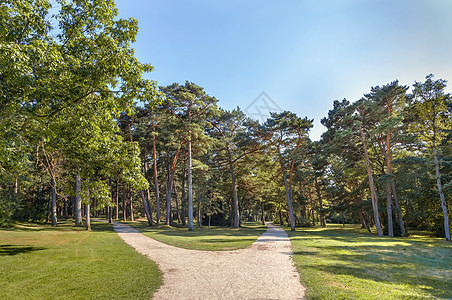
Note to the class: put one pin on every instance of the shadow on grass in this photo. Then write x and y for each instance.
(424, 264)
(16, 249)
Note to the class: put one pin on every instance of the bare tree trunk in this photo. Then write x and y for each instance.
(156, 180)
(199, 221)
(169, 183)
(371, 183)
(177, 202)
(190, 190)
(78, 200)
(53, 200)
(183, 197)
(146, 209)
(389, 209)
(289, 199)
(131, 203)
(65, 210)
(117, 200)
(124, 213)
(263, 213)
(441, 195)
(319, 196)
(399, 211)
(234, 191)
(88, 212)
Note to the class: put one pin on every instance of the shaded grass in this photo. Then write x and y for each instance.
(43, 262)
(348, 263)
(213, 239)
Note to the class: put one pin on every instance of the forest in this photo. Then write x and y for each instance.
(85, 134)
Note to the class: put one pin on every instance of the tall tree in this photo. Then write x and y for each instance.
(287, 134)
(429, 118)
(191, 105)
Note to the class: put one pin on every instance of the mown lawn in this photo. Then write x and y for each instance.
(348, 263)
(42, 262)
(213, 239)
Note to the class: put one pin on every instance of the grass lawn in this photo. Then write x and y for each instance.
(213, 239)
(348, 263)
(42, 262)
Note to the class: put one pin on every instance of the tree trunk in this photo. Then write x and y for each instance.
(117, 200)
(199, 219)
(53, 201)
(88, 214)
(131, 203)
(388, 184)
(234, 191)
(371, 183)
(169, 187)
(78, 200)
(263, 213)
(389, 209)
(190, 190)
(183, 197)
(280, 217)
(176, 199)
(145, 207)
(156, 180)
(441, 195)
(124, 210)
(65, 208)
(399, 211)
(319, 196)
(289, 199)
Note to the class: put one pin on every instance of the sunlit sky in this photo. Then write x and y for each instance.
(302, 54)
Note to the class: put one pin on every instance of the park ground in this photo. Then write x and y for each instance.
(42, 262)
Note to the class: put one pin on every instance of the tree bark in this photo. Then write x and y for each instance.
(131, 203)
(263, 213)
(156, 180)
(145, 207)
(183, 197)
(124, 208)
(234, 191)
(176, 199)
(117, 200)
(441, 195)
(289, 199)
(319, 196)
(53, 201)
(399, 211)
(88, 214)
(198, 219)
(190, 190)
(78, 200)
(371, 183)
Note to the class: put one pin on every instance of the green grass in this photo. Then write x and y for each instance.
(213, 239)
(42, 262)
(348, 263)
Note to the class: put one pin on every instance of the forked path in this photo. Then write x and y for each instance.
(264, 270)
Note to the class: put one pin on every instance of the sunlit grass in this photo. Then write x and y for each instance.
(348, 263)
(43, 262)
(213, 239)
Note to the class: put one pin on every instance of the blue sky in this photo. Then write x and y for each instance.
(302, 54)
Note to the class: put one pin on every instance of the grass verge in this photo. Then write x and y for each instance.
(213, 239)
(348, 263)
(65, 262)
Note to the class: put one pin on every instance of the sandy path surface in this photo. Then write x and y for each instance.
(264, 270)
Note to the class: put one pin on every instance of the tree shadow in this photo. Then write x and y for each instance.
(17, 249)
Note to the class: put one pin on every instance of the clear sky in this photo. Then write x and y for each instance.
(303, 54)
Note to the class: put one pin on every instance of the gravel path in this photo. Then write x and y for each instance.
(264, 270)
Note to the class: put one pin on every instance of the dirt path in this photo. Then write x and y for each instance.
(264, 270)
